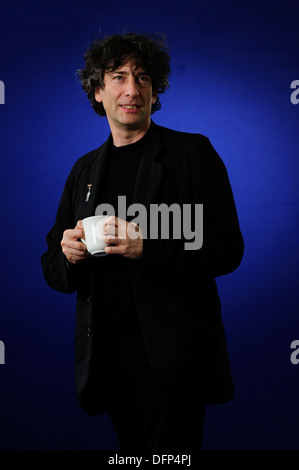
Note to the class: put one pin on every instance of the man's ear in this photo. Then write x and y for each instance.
(154, 97)
(97, 95)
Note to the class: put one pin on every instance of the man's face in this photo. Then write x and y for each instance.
(127, 97)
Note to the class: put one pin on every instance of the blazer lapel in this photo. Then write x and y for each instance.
(149, 177)
(92, 181)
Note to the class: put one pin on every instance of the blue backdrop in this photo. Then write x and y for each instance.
(233, 63)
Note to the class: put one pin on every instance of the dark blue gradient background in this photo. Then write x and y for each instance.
(232, 66)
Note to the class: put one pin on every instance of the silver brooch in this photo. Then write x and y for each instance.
(88, 192)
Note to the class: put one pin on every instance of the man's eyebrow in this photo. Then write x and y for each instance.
(119, 72)
(123, 72)
(112, 73)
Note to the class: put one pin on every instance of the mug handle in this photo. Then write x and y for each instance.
(82, 240)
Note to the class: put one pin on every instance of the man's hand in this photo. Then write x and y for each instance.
(126, 236)
(74, 250)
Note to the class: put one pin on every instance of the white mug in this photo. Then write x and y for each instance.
(94, 236)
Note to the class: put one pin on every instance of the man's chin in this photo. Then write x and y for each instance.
(135, 123)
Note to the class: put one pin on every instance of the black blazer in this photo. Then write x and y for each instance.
(174, 289)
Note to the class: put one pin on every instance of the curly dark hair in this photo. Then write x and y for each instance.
(106, 55)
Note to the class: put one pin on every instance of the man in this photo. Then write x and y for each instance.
(150, 347)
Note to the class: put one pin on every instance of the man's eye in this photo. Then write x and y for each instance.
(117, 78)
(143, 79)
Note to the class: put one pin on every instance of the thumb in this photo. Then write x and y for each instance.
(79, 224)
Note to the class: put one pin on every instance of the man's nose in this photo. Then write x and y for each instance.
(132, 87)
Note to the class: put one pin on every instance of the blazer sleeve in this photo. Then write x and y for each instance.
(58, 273)
(223, 245)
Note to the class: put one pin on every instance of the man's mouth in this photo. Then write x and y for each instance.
(130, 106)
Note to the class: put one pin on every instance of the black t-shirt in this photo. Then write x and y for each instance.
(120, 309)
(121, 174)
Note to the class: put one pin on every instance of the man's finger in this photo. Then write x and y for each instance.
(110, 230)
(114, 250)
(79, 224)
(112, 240)
(76, 253)
(112, 220)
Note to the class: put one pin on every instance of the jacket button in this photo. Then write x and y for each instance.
(89, 300)
(88, 332)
